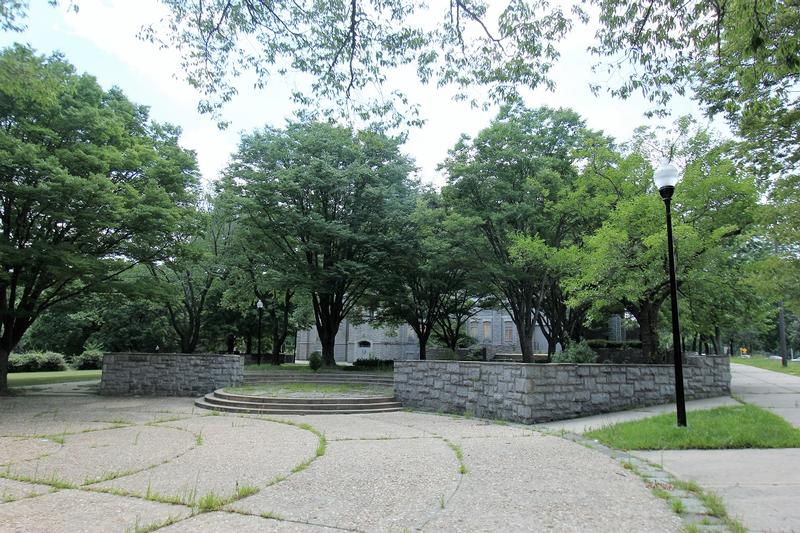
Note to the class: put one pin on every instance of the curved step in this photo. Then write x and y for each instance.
(220, 400)
(261, 411)
(211, 399)
(333, 377)
(221, 394)
(248, 379)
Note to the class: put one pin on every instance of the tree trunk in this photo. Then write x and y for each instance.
(248, 344)
(423, 345)
(276, 350)
(4, 354)
(327, 337)
(526, 344)
(647, 317)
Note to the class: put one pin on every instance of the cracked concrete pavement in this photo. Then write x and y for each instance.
(79, 462)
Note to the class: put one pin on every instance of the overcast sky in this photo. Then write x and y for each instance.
(101, 39)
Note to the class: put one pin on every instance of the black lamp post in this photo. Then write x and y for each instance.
(260, 307)
(665, 178)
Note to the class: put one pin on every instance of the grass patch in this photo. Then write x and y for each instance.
(793, 367)
(211, 501)
(462, 467)
(25, 379)
(51, 481)
(713, 504)
(742, 426)
(296, 367)
(214, 502)
(284, 389)
(152, 526)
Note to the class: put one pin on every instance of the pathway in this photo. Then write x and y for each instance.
(760, 487)
(74, 462)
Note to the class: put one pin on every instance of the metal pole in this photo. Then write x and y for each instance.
(782, 335)
(676, 333)
(260, 312)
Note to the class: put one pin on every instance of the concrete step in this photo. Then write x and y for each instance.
(248, 380)
(200, 402)
(295, 400)
(326, 375)
(302, 406)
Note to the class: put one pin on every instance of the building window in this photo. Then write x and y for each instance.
(508, 332)
(473, 329)
(487, 330)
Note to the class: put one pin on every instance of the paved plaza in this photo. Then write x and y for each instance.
(73, 461)
(760, 487)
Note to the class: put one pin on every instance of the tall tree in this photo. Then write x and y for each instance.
(624, 262)
(428, 273)
(189, 275)
(511, 183)
(328, 198)
(88, 188)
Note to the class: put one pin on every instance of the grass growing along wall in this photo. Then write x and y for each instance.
(741, 426)
(769, 364)
(26, 379)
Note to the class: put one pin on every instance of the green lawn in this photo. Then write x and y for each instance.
(769, 364)
(313, 389)
(295, 367)
(24, 379)
(741, 426)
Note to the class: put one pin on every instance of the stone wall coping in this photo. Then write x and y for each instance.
(160, 354)
(517, 364)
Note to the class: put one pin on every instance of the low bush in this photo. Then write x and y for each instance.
(315, 361)
(577, 352)
(597, 343)
(36, 362)
(373, 364)
(600, 344)
(90, 359)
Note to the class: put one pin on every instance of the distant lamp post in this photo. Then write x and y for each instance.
(260, 306)
(665, 178)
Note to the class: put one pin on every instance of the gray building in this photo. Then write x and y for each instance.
(492, 329)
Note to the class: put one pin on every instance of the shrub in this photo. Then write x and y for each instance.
(36, 362)
(315, 361)
(373, 364)
(576, 352)
(597, 343)
(90, 359)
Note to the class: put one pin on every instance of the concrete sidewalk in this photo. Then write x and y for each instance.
(77, 462)
(761, 488)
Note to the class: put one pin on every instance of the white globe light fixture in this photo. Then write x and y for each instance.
(666, 177)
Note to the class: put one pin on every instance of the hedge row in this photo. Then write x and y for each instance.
(53, 361)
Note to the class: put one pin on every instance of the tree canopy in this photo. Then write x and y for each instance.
(88, 187)
(328, 200)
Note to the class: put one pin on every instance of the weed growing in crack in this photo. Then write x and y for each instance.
(462, 467)
(152, 526)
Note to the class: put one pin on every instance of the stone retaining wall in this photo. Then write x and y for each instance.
(533, 393)
(169, 374)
